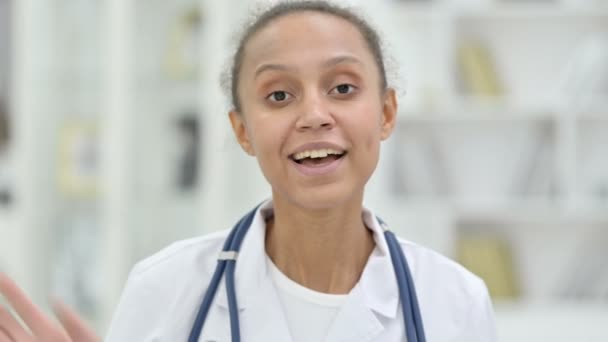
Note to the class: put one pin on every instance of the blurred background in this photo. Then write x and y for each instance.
(114, 142)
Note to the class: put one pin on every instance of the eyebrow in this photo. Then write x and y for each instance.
(266, 67)
(329, 63)
(341, 59)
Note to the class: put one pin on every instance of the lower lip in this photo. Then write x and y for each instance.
(318, 170)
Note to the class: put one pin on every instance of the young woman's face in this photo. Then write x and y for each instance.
(313, 111)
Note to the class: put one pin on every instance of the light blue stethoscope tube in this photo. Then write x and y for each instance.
(414, 328)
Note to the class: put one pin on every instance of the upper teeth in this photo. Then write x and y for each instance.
(322, 153)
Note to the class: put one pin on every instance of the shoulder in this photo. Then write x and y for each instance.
(430, 265)
(159, 288)
(454, 301)
(195, 252)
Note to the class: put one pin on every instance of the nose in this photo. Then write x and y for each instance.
(314, 114)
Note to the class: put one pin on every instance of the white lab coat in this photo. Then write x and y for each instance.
(163, 294)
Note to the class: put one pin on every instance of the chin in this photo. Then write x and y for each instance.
(323, 198)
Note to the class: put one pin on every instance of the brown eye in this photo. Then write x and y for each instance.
(278, 96)
(343, 89)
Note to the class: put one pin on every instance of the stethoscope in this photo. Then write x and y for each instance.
(414, 329)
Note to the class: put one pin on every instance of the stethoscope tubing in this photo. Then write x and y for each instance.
(414, 328)
(235, 245)
(201, 316)
(416, 315)
(233, 240)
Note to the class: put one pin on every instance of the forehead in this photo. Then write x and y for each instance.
(303, 37)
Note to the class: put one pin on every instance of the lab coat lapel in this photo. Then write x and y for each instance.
(355, 321)
(375, 295)
(264, 319)
(378, 281)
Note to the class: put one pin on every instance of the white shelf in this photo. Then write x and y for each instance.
(424, 10)
(554, 322)
(477, 115)
(530, 212)
(472, 108)
(531, 11)
(595, 117)
(514, 211)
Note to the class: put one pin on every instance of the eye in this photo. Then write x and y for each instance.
(279, 96)
(343, 89)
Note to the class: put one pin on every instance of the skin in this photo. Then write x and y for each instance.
(317, 236)
(322, 70)
(40, 328)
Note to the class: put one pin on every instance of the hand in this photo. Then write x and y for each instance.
(41, 327)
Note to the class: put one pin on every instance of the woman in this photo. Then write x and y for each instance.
(312, 104)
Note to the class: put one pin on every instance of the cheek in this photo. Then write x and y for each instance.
(268, 138)
(369, 127)
(370, 143)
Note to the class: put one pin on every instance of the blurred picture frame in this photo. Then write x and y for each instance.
(78, 159)
(182, 56)
(187, 131)
(5, 160)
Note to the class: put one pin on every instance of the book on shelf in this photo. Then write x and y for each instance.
(477, 70)
(583, 83)
(490, 258)
(78, 158)
(5, 159)
(537, 177)
(187, 130)
(585, 277)
(182, 56)
(418, 165)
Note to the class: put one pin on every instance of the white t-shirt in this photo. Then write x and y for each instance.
(309, 313)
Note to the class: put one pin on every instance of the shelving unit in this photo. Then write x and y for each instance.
(529, 165)
(526, 168)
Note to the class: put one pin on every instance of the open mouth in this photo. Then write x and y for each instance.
(317, 157)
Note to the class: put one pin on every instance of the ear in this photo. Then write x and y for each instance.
(239, 128)
(389, 113)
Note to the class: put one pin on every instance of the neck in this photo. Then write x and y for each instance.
(324, 250)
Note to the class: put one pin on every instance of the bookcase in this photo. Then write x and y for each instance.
(496, 161)
(122, 145)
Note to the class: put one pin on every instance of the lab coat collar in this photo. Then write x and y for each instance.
(377, 288)
(378, 281)
(258, 301)
(251, 270)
